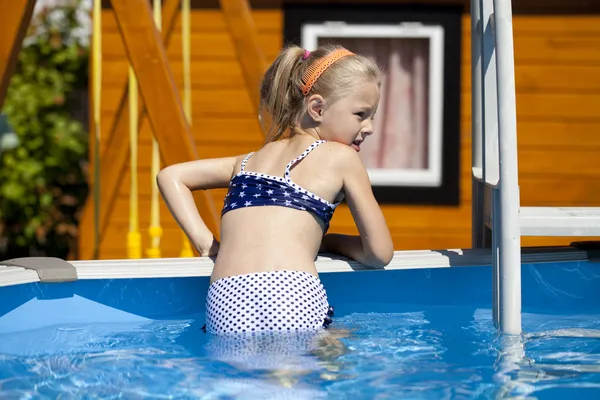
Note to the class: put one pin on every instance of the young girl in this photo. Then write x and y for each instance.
(281, 198)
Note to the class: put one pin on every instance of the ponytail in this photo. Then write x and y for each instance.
(279, 94)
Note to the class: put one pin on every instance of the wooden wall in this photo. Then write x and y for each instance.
(558, 105)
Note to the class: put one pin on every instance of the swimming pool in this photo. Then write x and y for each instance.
(421, 329)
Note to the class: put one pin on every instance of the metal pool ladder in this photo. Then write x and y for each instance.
(496, 200)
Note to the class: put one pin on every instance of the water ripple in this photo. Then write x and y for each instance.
(429, 354)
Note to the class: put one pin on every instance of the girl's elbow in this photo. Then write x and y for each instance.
(381, 258)
(379, 251)
(386, 258)
(385, 250)
(164, 176)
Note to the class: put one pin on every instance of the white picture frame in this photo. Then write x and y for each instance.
(426, 177)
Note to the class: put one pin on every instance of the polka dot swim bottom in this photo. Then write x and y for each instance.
(267, 301)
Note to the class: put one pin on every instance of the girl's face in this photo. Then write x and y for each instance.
(350, 119)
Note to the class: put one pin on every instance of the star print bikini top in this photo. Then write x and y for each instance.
(250, 189)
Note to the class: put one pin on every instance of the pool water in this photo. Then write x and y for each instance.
(411, 334)
(434, 353)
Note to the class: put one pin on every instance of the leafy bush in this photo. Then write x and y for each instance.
(42, 180)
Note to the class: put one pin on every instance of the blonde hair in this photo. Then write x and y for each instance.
(280, 93)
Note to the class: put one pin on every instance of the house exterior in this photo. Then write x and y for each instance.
(427, 201)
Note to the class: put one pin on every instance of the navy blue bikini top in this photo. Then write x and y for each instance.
(249, 189)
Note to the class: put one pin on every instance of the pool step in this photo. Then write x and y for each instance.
(558, 221)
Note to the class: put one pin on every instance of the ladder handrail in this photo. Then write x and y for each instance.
(485, 162)
(494, 162)
(509, 232)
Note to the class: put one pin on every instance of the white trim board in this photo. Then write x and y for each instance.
(432, 176)
(198, 267)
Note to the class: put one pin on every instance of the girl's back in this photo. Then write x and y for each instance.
(271, 227)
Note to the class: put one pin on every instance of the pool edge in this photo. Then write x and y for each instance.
(202, 266)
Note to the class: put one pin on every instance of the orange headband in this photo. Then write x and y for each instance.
(314, 70)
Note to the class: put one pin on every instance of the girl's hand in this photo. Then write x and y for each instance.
(209, 250)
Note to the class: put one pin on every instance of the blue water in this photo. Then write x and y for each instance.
(428, 335)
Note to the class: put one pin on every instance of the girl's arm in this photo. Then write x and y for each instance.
(373, 246)
(346, 245)
(176, 183)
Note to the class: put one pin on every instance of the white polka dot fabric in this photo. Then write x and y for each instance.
(267, 301)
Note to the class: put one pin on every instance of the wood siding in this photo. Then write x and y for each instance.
(558, 106)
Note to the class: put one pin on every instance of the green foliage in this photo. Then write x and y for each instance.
(42, 180)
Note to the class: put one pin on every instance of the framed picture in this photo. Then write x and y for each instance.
(407, 150)
(413, 156)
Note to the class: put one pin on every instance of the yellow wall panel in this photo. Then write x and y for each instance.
(558, 105)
